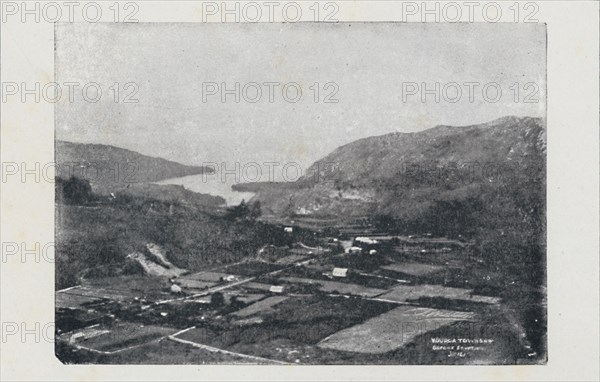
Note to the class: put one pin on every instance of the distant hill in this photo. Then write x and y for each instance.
(435, 180)
(109, 168)
(117, 171)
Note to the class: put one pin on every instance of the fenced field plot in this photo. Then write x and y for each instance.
(413, 269)
(392, 330)
(404, 293)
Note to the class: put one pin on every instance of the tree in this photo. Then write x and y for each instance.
(217, 299)
(243, 211)
(237, 303)
(73, 190)
(384, 222)
(255, 210)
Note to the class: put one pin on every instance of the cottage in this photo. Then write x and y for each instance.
(276, 289)
(77, 337)
(340, 272)
(365, 240)
(354, 250)
(288, 229)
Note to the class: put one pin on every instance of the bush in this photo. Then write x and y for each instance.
(217, 299)
(73, 191)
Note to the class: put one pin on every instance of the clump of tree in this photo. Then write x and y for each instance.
(217, 299)
(73, 191)
(244, 211)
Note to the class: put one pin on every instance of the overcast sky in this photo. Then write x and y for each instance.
(369, 62)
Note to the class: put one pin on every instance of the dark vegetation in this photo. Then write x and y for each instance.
(301, 320)
(97, 233)
(244, 211)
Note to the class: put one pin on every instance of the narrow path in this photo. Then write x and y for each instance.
(201, 294)
(103, 352)
(222, 351)
(223, 287)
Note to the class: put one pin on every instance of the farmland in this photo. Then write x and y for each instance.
(139, 276)
(398, 306)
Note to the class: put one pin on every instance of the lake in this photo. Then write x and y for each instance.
(209, 185)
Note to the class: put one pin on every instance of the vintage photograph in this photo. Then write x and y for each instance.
(300, 193)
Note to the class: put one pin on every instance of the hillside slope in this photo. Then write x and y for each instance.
(108, 167)
(442, 179)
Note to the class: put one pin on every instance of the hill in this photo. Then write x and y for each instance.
(108, 168)
(430, 180)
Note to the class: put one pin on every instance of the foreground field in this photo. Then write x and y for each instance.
(149, 278)
(268, 314)
(392, 330)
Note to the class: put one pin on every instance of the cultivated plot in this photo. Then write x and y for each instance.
(392, 330)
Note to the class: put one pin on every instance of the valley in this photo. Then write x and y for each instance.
(420, 248)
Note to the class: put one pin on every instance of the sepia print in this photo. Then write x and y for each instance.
(301, 193)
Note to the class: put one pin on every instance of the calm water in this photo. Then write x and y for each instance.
(210, 185)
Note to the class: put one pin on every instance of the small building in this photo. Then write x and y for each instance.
(288, 229)
(373, 252)
(276, 289)
(354, 250)
(77, 337)
(176, 288)
(229, 278)
(340, 272)
(365, 240)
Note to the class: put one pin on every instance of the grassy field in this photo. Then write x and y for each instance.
(124, 335)
(262, 306)
(413, 269)
(403, 293)
(251, 268)
(301, 320)
(337, 287)
(164, 352)
(392, 330)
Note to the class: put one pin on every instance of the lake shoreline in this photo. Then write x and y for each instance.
(203, 185)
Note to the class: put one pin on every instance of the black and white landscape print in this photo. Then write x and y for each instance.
(301, 193)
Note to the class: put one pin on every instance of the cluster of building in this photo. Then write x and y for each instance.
(364, 245)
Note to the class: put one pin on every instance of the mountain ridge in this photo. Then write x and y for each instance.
(115, 171)
(406, 175)
(106, 164)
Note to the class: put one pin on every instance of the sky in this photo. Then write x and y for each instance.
(373, 69)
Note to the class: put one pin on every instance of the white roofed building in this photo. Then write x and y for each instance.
(340, 272)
